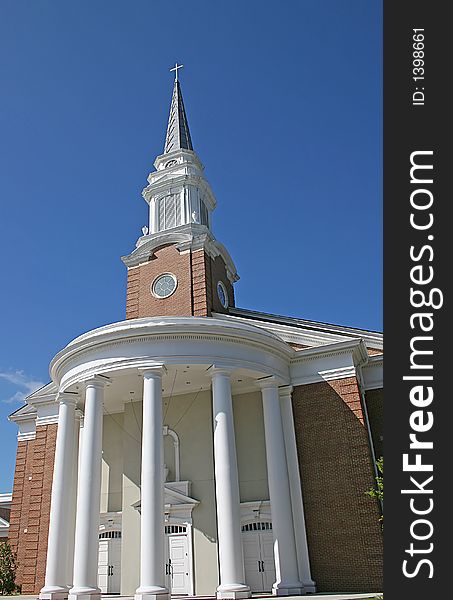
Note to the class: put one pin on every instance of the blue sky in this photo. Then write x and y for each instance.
(284, 104)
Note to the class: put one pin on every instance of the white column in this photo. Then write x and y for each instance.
(55, 587)
(73, 500)
(303, 559)
(287, 582)
(89, 495)
(232, 579)
(153, 216)
(152, 584)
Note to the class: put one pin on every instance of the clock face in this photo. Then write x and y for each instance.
(164, 285)
(222, 294)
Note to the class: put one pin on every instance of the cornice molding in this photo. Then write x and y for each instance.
(373, 373)
(168, 183)
(356, 348)
(327, 375)
(188, 156)
(151, 331)
(26, 437)
(49, 420)
(191, 236)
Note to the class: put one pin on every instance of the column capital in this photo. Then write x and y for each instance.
(285, 390)
(157, 370)
(69, 398)
(215, 370)
(97, 381)
(268, 382)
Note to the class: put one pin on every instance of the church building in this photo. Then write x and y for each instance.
(198, 448)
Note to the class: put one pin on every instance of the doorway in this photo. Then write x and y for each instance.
(177, 560)
(259, 564)
(109, 565)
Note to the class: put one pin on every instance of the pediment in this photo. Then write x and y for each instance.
(44, 393)
(174, 497)
(24, 412)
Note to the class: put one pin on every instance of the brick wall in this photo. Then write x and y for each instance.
(195, 295)
(344, 536)
(30, 508)
(375, 406)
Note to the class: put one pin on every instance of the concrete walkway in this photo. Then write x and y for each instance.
(329, 596)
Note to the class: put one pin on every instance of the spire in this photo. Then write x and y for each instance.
(178, 134)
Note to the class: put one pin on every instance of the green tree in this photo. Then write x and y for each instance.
(7, 568)
(378, 491)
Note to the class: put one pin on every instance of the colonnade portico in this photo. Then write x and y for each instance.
(77, 578)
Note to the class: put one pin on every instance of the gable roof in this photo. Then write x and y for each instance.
(303, 331)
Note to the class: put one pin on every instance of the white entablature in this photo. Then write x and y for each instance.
(141, 343)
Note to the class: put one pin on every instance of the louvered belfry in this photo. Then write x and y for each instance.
(178, 134)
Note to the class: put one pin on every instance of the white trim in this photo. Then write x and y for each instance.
(373, 373)
(327, 363)
(328, 375)
(4, 528)
(141, 343)
(47, 420)
(6, 498)
(26, 437)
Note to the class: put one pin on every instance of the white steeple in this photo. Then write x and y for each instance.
(178, 193)
(179, 197)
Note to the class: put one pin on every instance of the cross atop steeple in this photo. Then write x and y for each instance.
(175, 69)
(178, 134)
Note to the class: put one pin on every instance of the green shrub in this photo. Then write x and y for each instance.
(378, 491)
(7, 569)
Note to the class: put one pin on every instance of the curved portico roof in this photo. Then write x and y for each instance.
(141, 343)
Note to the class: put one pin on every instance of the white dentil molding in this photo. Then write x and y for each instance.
(139, 343)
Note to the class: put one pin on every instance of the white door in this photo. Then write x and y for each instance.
(252, 562)
(177, 564)
(259, 565)
(268, 560)
(109, 565)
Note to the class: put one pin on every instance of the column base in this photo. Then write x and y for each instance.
(292, 589)
(309, 587)
(84, 593)
(152, 593)
(233, 592)
(53, 592)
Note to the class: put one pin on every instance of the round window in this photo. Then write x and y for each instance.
(222, 294)
(164, 285)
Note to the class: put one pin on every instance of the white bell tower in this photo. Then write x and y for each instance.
(178, 193)
(178, 267)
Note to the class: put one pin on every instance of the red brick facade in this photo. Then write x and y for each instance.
(375, 406)
(30, 509)
(344, 536)
(195, 295)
